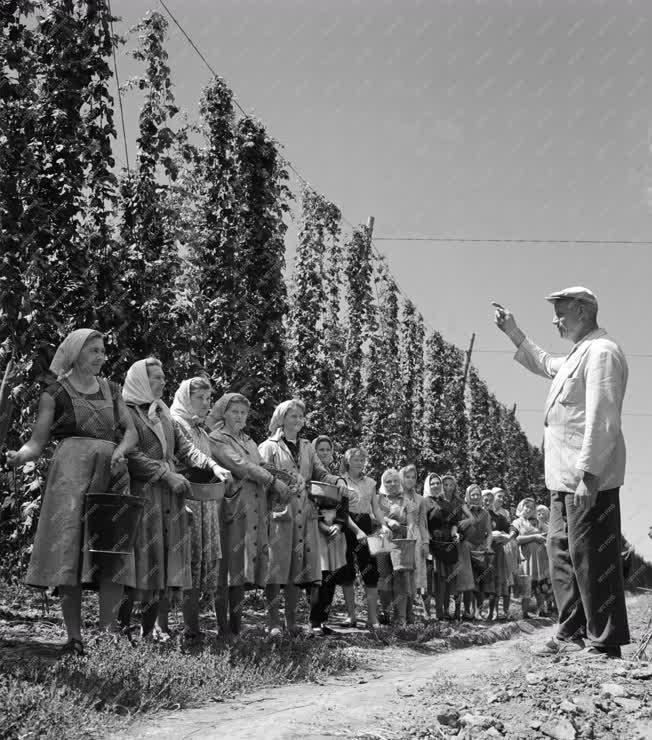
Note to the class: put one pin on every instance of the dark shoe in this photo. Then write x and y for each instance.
(596, 651)
(73, 647)
(468, 617)
(383, 618)
(558, 647)
(350, 624)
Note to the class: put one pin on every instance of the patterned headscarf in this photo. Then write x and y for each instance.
(137, 392)
(278, 417)
(182, 404)
(68, 351)
(215, 419)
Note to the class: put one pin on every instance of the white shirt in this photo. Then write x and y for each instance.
(582, 415)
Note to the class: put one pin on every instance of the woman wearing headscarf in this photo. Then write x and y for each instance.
(477, 535)
(333, 519)
(417, 526)
(444, 511)
(85, 413)
(191, 404)
(395, 587)
(294, 557)
(162, 546)
(500, 536)
(245, 508)
(530, 539)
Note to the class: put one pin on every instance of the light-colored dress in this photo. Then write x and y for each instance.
(81, 464)
(410, 513)
(534, 558)
(389, 580)
(245, 511)
(294, 550)
(205, 545)
(162, 550)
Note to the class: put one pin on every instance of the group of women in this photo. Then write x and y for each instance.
(222, 514)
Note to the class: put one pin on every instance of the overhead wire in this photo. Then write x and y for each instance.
(378, 254)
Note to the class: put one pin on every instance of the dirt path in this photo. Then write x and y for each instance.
(350, 706)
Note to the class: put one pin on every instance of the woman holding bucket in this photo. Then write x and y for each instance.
(531, 540)
(395, 587)
(294, 555)
(462, 579)
(333, 520)
(417, 528)
(502, 571)
(191, 405)
(87, 416)
(365, 515)
(245, 509)
(162, 548)
(478, 538)
(444, 511)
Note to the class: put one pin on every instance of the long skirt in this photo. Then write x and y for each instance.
(504, 577)
(463, 568)
(60, 556)
(244, 537)
(162, 546)
(205, 549)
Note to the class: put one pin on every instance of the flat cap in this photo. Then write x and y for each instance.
(577, 292)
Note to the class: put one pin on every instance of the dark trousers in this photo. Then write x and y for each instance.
(586, 570)
(321, 598)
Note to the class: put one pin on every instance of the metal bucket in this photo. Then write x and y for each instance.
(112, 520)
(324, 493)
(403, 555)
(207, 491)
(379, 543)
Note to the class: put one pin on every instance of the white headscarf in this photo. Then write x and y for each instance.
(68, 351)
(427, 493)
(182, 405)
(137, 392)
(278, 417)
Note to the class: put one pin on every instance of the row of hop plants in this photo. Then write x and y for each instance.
(183, 257)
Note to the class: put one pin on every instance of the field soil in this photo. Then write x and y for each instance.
(430, 691)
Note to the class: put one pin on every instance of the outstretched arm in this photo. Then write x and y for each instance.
(528, 354)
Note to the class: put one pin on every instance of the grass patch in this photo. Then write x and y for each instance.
(80, 698)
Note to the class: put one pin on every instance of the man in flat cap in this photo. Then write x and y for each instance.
(585, 467)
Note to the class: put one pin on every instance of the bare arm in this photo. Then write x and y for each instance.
(33, 448)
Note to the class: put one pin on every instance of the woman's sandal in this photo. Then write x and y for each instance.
(73, 647)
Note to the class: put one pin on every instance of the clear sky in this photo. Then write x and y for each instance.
(484, 120)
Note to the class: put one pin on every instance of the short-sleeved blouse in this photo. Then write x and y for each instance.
(64, 423)
(362, 492)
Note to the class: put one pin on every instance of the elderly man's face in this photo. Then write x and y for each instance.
(568, 319)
